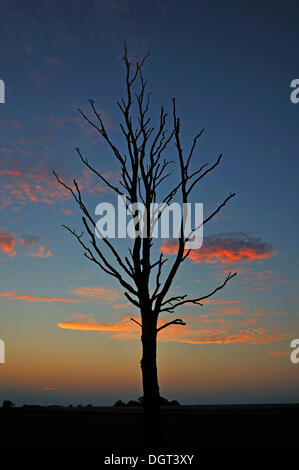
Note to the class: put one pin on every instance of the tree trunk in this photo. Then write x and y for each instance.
(151, 395)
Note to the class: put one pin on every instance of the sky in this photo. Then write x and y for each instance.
(65, 324)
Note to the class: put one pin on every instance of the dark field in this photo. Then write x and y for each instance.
(184, 427)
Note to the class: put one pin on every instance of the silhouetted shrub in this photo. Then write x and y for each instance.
(164, 401)
(139, 402)
(174, 403)
(133, 403)
(8, 404)
(119, 403)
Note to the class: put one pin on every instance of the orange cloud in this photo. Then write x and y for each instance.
(96, 293)
(90, 326)
(66, 211)
(208, 329)
(14, 295)
(216, 302)
(222, 333)
(123, 329)
(278, 353)
(7, 243)
(257, 336)
(121, 305)
(231, 311)
(225, 248)
(85, 294)
(265, 285)
(216, 329)
(41, 253)
(260, 280)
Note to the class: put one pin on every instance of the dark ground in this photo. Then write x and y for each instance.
(185, 428)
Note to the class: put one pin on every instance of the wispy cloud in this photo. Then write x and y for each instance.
(97, 293)
(28, 240)
(82, 294)
(41, 253)
(216, 302)
(36, 183)
(249, 336)
(215, 328)
(66, 211)
(278, 353)
(15, 295)
(256, 280)
(121, 305)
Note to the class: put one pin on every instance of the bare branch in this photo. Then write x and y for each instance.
(135, 321)
(143, 171)
(178, 321)
(198, 300)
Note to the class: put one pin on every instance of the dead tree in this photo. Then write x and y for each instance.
(142, 170)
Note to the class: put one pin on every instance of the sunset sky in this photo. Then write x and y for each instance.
(66, 325)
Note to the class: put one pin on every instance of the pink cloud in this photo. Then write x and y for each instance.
(39, 185)
(41, 253)
(7, 243)
(225, 248)
(67, 211)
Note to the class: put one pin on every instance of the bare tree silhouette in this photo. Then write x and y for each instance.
(142, 171)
